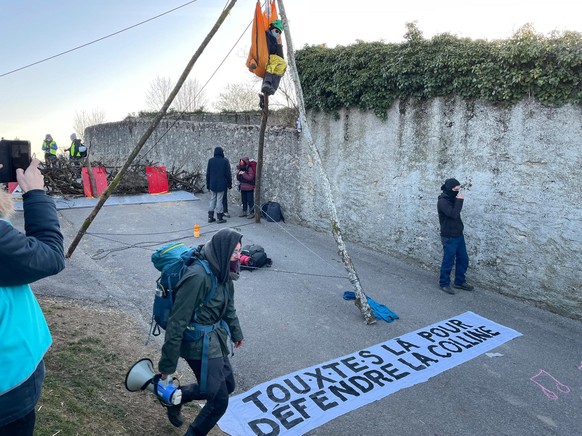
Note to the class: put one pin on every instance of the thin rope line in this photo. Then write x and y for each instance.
(96, 40)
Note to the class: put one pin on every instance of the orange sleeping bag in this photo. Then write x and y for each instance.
(259, 53)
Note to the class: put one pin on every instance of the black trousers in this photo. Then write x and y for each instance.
(219, 385)
(248, 200)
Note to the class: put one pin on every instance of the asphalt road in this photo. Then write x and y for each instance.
(293, 316)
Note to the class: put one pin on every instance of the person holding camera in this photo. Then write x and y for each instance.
(449, 206)
(49, 146)
(245, 174)
(24, 334)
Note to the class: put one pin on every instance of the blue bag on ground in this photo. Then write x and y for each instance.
(379, 310)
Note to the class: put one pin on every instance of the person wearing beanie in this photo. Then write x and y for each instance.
(449, 206)
(218, 180)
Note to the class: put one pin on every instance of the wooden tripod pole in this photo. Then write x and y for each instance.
(149, 131)
(264, 119)
(361, 300)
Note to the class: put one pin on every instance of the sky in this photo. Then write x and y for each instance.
(113, 75)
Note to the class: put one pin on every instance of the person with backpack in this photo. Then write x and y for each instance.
(217, 317)
(246, 173)
(218, 179)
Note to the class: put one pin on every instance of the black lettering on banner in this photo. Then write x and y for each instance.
(367, 387)
(393, 372)
(410, 365)
(306, 387)
(478, 335)
(300, 407)
(465, 346)
(426, 335)
(271, 394)
(486, 330)
(377, 377)
(460, 324)
(320, 377)
(467, 339)
(440, 332)
(451, 328)
(406, 346)
(396, 353)
(320, 398)
(334, 366)
(283, 414)
(355, 366)
(425, 360)
(456, 349)
(256, 425)
(343, 388)
(255, 399)
(431, 349)
(367, 354)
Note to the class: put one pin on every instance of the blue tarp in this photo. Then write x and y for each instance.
(379, 310)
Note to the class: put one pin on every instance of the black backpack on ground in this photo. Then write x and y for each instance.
(253, 257)
(271, 211)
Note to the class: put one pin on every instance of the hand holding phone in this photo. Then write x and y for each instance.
(13, 155)
(31, 178)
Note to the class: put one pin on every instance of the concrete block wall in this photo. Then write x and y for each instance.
(522, 166)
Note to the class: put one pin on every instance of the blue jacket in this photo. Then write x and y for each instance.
(24, 258)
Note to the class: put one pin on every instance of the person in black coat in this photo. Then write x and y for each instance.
(218, 180)
(449, 206)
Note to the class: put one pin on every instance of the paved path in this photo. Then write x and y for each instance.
(293, 316)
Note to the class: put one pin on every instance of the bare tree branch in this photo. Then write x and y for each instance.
(238, 97)
(84, 119)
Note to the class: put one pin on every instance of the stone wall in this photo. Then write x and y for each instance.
(522, 166)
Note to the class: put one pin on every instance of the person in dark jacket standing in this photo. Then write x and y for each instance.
(24, 334)
(219, 314)
(218, 179)
(449, 206)
(246, 177)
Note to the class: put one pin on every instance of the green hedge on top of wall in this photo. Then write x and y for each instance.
(371, 76)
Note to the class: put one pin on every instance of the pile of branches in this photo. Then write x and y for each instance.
(63, 177)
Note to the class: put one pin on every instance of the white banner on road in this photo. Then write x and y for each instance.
(298, 402)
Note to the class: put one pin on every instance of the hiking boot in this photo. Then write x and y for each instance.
(243, 214)
(211, 217)
(267, 90)
(448, 290)
(251, 216)
(226, 214)
(220, 219)
(175, 415)
(465, 286)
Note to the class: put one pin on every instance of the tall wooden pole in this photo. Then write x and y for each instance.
(264, 119)
(149, 131)
(361, 300)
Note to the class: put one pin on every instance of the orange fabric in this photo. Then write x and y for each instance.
(259, 53)
(270, 14)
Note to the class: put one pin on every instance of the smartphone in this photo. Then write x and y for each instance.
(13, 155)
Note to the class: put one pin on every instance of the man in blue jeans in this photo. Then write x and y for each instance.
(449, 207)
